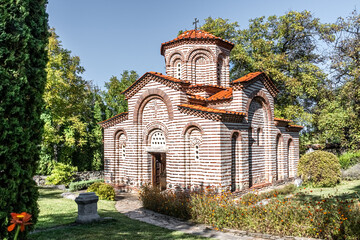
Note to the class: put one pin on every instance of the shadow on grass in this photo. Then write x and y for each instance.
(121, 227)
(49, 193)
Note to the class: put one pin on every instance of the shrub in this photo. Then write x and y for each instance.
(352, 173)
(171, 203)
(76, 186)
(61, 174)
(103, 190)
(94, 187)
(320, 169)
(349, 159)
(326, 218)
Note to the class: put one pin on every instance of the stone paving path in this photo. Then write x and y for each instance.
(129, 204)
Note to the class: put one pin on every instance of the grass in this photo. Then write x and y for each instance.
(57, 215)
(345, 190)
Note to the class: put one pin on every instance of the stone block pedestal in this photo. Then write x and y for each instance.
(87, 207)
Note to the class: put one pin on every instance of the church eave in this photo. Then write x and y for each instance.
(171, 82)
(294, 128)
(114, 120)
(211, 113)
(251, 77)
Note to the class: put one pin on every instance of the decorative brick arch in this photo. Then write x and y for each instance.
(119, 131)
(264, 101)
(194, 52)
(192, 125)
(148, 95)
(174, 56)
(239, 136)
(152, 127)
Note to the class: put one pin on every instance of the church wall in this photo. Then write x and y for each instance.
(199, 63)
(136, 169)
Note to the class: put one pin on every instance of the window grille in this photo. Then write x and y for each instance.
(178, 71)
(196, 153)
(158, 139)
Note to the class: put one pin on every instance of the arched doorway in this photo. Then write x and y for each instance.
(158, 157)
(258, 125)
(277, 156)
(234, 159)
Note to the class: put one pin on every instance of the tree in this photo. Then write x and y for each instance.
(115, 101)
(23, 38)
(344, 128)
(285, 48)
(68, 116)
(290, 49)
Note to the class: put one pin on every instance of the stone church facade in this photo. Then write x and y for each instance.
(194, 127)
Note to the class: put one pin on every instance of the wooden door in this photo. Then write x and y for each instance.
(159, 171)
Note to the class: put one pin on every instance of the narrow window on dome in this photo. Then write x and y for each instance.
(178, 71)
(196, 152)
(123, 152)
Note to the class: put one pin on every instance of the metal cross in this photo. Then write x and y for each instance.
(195, 23)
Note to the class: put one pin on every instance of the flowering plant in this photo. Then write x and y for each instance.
(19, 220)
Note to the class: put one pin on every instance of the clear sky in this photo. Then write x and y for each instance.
(111, 36)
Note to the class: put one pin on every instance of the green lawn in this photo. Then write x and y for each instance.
(57, 216)
(345, 190)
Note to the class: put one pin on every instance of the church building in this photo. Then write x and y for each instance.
(193, 127)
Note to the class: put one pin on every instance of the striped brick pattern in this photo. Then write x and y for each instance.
(229, 140)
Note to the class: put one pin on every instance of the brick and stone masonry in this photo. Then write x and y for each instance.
(194, 127)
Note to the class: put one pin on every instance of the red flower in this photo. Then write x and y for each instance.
(21, 219)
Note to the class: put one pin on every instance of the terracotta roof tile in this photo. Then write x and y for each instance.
(247, 77)
(224, 94)
(113, 120)
(196, 35)
(269, 84)
(282, 120)
(296, 126)
(193, 96)
(205, 85)
(211, 110)
(168, 78)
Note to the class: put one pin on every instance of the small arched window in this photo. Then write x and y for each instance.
(258, 136)
(196, 152)
(178, 70)
(158, 138)
(123, 151)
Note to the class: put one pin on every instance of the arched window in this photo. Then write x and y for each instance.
(258, 136)
(158, 138)
(123, 150)
(196, 152)
(178, 70)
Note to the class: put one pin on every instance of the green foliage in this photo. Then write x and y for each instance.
(23, 28)
(320, 169)
(115, 101)
(174, 204)
(284, 47)
(326, 218)
(61, 174)
(352, 173)
(349, 159)
(103, 190)
(81, 185)
(73, 108)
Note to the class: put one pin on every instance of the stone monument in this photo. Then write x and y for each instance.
(87, 207)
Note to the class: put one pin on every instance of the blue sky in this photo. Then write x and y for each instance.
(111, 36)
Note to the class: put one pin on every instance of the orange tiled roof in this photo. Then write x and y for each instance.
(194, 96)
(196, 35)
(282, 120)
(112, 120)
(205, 85)
(211, 110)
(224, 94)
(269, 84)
(167, 78)
(247, 77)
(296, 126)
